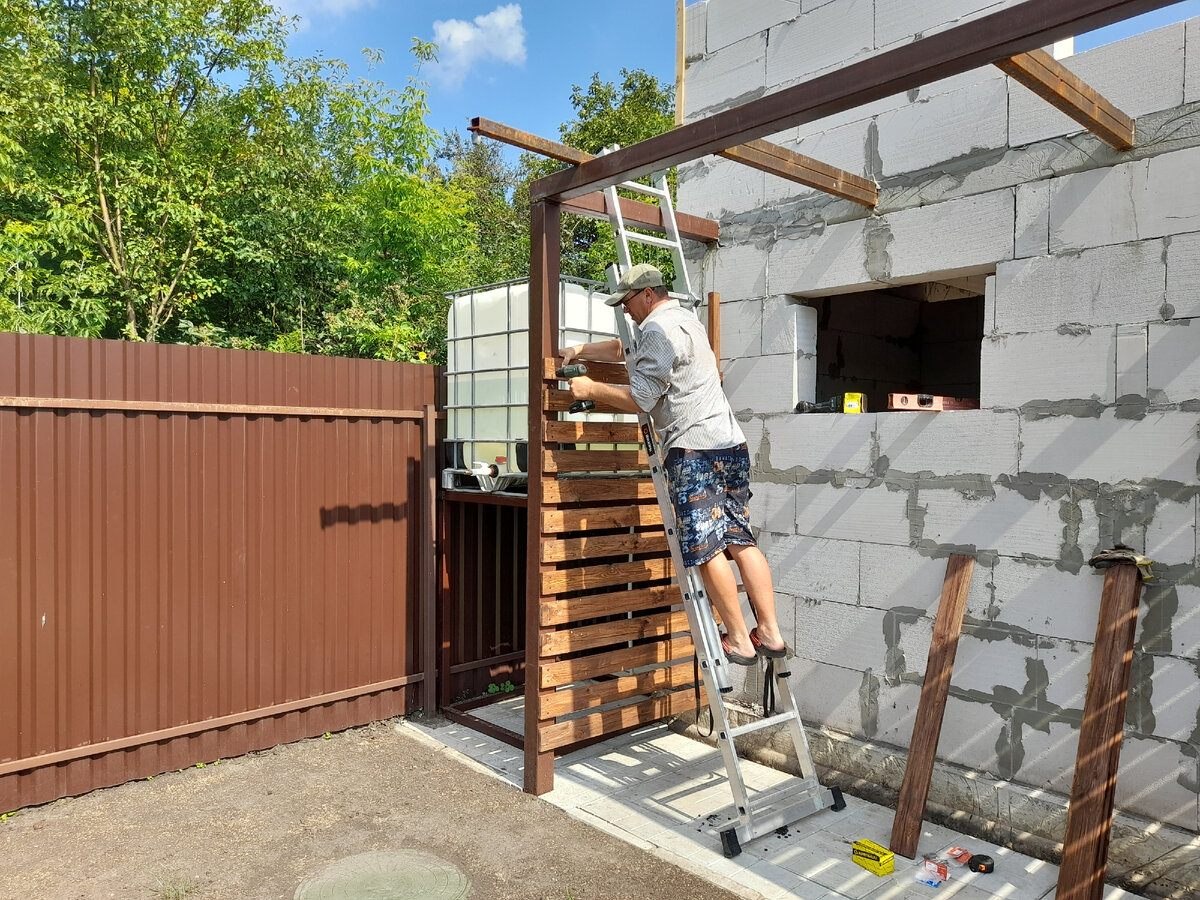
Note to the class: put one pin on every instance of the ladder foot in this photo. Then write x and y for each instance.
(730, 844)
(839, 802)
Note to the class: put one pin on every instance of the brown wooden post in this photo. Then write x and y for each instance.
(914, 790)
(545, 223)
(1089, 817)
(429, 592)
(714, 328)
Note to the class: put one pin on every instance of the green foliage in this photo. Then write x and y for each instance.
(506, 687)
(168, 173)
(606, 115)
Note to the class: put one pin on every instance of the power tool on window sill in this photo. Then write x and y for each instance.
(843, 403)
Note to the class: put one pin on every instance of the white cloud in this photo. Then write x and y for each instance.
(499, 36)
(308, 10)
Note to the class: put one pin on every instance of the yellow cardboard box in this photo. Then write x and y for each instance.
(873, 857)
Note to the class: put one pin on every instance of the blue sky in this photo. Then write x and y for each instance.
(515, 62)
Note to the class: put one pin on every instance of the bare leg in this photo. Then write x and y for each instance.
(756, 577)
(722, 592)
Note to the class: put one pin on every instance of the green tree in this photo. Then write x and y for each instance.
(167, 172)
(606, 114)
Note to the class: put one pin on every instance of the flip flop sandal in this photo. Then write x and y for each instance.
(736, 658)
(763, 650)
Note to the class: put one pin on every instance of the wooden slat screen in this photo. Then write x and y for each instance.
(614, 649)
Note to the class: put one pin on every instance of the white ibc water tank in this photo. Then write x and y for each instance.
(487, 366)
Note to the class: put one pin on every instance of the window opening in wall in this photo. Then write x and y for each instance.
(919, 339)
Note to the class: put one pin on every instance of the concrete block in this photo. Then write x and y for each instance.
(953, 443)
(1191, 71)
(1131, 361)
(903, 577)
(829, 694)
(812, 569)
(959, 237)
(1041, 600)
(1067, 665)
(739, 272)
(1121, 284)
(720, 187)
(729, 78)
(1157, 780)
(695, 31)
(773, 506)
(1136, 201)
(995, 670)
(788, 327)
(822, 443)
(1170, 619)
(761, 384)
(872, 515)
(752, 428)
(1033, 219)
(1140, 74)
(1174, 361)
(1171, 534)
(1162, 446)
(1046, 365)
(896, 712)
(1167, 709)
(900, 22)
(968, 736)
(862, 639)
(730, 21)
(741, 329)
(1048, 760)
(825, 260)
(1183, 275)
(944, 127)
(1008, 524)
(825, 37)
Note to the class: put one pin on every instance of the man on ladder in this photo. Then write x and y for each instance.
(675, 379)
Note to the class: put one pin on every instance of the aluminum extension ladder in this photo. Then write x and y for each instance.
(800, 796)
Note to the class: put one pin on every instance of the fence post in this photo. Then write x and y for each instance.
(428, 556)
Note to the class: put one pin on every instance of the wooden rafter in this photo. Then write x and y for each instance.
(761, 155)
(1015, 29)
(1062, 88)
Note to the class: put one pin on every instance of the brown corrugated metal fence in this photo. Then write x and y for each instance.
(202, 552)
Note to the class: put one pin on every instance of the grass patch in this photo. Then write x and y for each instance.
(177, 887)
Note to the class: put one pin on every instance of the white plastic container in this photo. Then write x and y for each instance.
(487, 366)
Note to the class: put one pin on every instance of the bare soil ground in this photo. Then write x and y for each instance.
(256, 826)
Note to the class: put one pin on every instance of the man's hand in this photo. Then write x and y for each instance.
(582, 387)
(570, 354)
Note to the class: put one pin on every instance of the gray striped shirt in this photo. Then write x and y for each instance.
(675, 380)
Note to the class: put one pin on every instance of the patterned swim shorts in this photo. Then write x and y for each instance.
(710, 490)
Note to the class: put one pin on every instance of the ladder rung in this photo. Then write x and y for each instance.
(652, 239)
(648, 190)
(777, 719)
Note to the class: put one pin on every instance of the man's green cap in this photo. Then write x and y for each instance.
(641, 276)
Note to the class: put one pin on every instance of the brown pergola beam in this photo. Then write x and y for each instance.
(1062, 88)
(1016, 29)
(761, 155)
(776, 160)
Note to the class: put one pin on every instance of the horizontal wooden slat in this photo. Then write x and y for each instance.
(560, 611)
(597, 546)
(1063, 89)
(597, 693)
(603, 634)
(213, 409)
(565, 671)
(597, 490)
(609, 373)
(591, 577)
(572, 731)
(785, 163)
(560, 401)
(593, 432)
(594, 461)
(555, 521)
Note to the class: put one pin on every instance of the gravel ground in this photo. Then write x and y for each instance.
(258, 826)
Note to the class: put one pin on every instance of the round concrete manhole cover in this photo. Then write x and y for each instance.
(386, 875)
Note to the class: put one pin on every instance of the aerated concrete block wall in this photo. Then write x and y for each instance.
(1089, 428)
